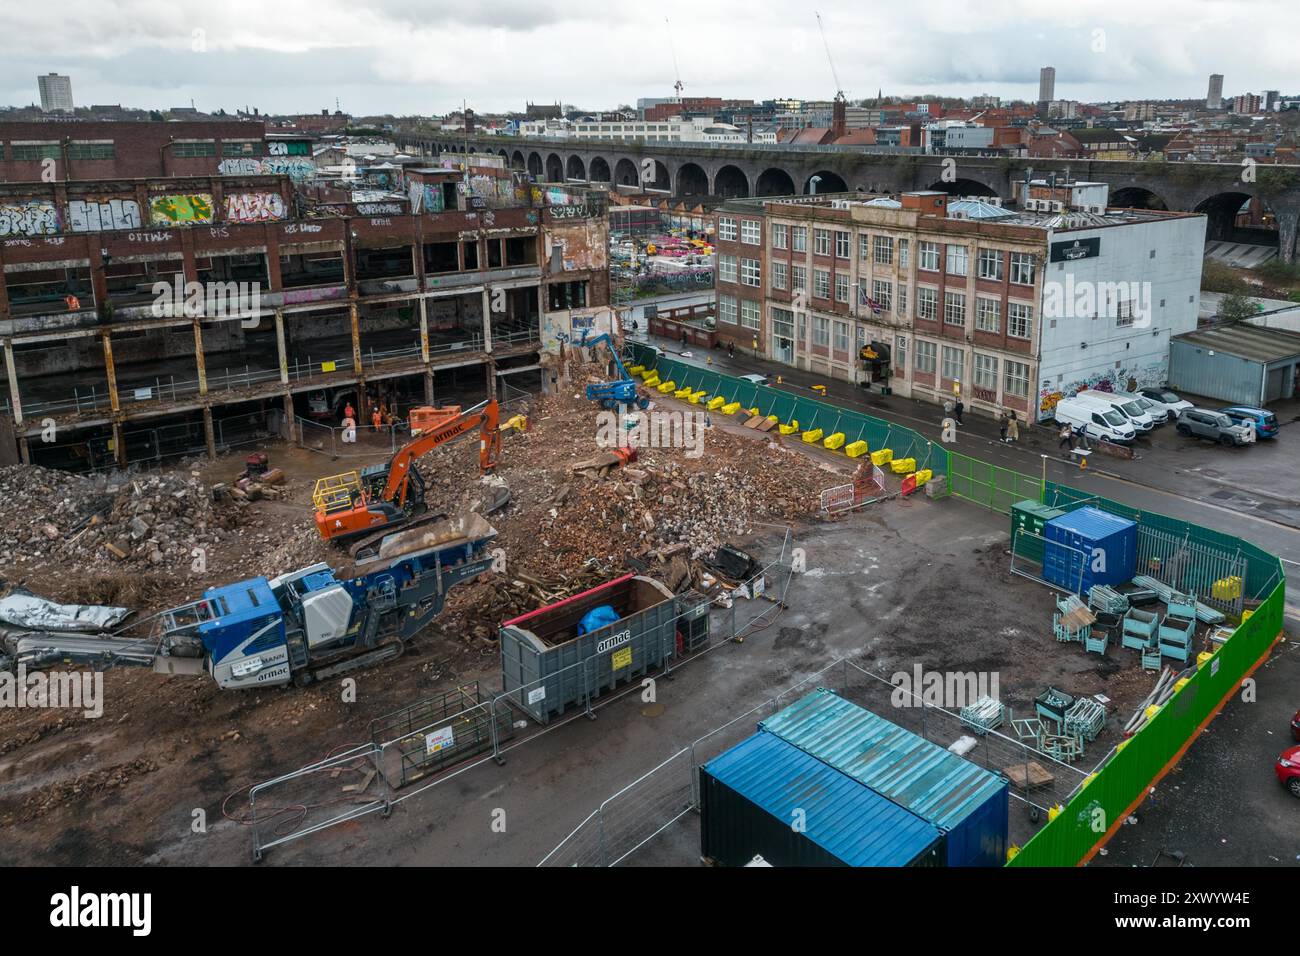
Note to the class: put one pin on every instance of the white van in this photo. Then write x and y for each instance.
(1095, 419)
(1127, 407)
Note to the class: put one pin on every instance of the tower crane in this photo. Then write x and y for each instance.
(839, 90)
(677, 87)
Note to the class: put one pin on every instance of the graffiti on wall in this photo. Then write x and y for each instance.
(101, 215)
(36, 217)
(1123, 379)
(179, 210)
(255, 207)
(299, 170)
(425, 197)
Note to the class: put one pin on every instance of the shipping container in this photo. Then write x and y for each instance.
(552, 667)
(966, 802)
(1089, 546)
(1031, 516)
(768, 798)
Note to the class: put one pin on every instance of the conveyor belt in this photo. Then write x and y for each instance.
(49, 647)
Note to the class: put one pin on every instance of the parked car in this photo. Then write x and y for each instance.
(1165, 399)
(755, 379)
(1160, 414)
(1127, 407)
(1265, 422)
(1095, 420)
(1216, 426)
(1288, 770)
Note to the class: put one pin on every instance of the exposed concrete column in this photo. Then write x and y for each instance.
(428, 386)
(119, 445)
(424, 330)
(354, 315)
(290, 430)
(209, 432)
(110, 373)
(274, 279)
(199, 362)
(280, 349)
(11, 371)
(491, 366)
(487, 320)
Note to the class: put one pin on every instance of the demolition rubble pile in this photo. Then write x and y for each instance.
(571, 526)
(82, 521)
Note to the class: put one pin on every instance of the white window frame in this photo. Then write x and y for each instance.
(1022, 268)
(954, 308)
(751, 232)
(1018, 314)
(751, 273)
(780, 235)
(927, 304)
(991, 264)
(985, 372)
(948, 365)
(1014, 382)
(727, 228)
(958, 259)
(927, 256)
(751, 314)
(727, 268)
(985, 308)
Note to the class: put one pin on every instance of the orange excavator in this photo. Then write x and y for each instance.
(378, 499)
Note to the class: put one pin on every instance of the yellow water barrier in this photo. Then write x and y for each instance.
(902, 466)
(667, 387)
(731, 408)
(697, 396)
(635, 369)
(814, 436)
(716, 402)
(652, 381)
(646, 373)
(1203, 658)
(881, 457)
(788, 429)
(683, 393)
(922, 476)
(857, 449)
(834, 441)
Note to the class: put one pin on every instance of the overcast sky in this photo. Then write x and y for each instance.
(409, 56)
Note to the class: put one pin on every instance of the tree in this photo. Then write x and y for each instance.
(1236, 308)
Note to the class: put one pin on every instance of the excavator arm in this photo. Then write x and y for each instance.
(486, 418)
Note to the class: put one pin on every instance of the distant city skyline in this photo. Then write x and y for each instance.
(413, 57)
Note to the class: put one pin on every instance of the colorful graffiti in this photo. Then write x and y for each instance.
(299, 170)
(36, 217)
(425, 197)
(255, 207)
(180, 210)
(1111, 380)
(102, 215)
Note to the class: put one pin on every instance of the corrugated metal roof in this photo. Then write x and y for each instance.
(845, 818)
(923, 777)
(1250, 342)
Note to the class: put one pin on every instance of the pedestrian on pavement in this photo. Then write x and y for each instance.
(683, 339)
(1013, 428)
(731, 350)
(1003, 424)
(1067, 438)
(947, 408)
(958, 409)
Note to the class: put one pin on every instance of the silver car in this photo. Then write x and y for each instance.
(1216, 426)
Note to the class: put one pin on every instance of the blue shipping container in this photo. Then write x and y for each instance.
(749, 796)
(1089, 546)
(966, 802)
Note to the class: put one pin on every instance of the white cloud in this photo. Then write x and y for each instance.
(401, 56)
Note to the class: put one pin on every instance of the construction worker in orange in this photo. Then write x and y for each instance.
(72, 302)
(377, 418)
(349, 411)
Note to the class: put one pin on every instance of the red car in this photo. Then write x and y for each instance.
(1288, 770)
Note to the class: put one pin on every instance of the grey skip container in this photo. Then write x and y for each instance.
(547, 667)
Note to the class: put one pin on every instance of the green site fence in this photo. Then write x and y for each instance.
(1107, 796)
(988, 485)
(810, 413)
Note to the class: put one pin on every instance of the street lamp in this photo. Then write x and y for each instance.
(812, 185)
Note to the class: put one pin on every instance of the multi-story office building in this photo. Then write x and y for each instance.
(1214, 96)
(1009, 309)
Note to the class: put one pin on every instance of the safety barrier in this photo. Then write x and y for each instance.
(810, 413)
(1126, 776)
(988, 485)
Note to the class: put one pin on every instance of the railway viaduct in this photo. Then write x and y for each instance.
(698, 170)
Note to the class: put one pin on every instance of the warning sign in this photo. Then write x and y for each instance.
(439, 740)
(622, 658)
